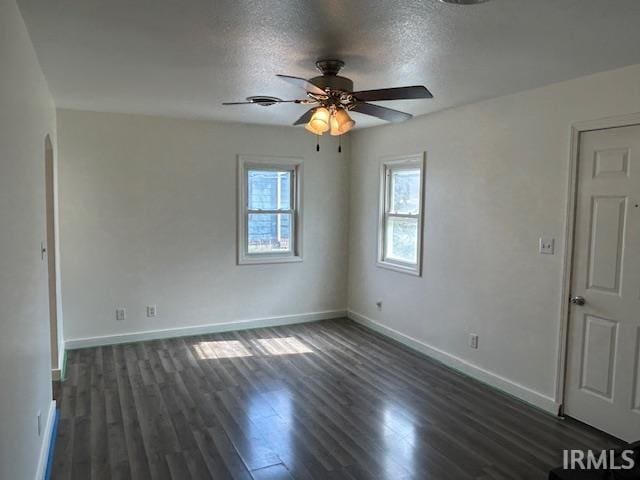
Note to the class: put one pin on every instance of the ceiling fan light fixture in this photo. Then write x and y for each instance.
(319, 122)
(341, 122)
(310, 128)
(345, 122)
(335, 128)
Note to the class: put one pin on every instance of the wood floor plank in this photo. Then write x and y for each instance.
(196, 465)
(218, 459)
(317, 401)
(250, 445)
(178, 467)
(100, 468)
(136, 454)
(274, 472)
(116, 441)
(81, 461)
(62, 465)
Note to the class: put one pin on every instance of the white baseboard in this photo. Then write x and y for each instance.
(202, 329)
(47, 442)
(521, 392)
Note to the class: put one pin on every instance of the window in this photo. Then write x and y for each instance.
(400, 223)
(269, 217)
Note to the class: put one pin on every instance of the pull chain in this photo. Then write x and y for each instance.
(340, 144)
(317, 143)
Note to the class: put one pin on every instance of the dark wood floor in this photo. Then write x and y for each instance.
(324, 400)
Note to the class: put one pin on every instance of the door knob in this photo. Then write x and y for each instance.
(578, 300)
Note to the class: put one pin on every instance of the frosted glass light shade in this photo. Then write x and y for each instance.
(335, 126)
(319, 122)
(343, 122)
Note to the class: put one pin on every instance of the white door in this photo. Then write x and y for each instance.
(603, 376)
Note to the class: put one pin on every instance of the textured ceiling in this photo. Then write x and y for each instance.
(184, 57)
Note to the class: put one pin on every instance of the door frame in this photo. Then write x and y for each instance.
(577, 129)
(51, 244)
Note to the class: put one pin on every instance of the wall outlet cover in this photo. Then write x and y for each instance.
(151, 311)
(547, 245)
(473, 340)
(121, 314)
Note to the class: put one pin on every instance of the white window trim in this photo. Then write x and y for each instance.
(276, 163)
(417, 160)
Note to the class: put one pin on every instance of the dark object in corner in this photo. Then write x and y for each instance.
(609, 474)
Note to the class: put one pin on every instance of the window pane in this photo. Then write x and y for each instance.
(269, 190)
(402, 239)
(405, 191)
(269, 232)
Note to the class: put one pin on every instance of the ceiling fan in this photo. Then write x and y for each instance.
(331, 97)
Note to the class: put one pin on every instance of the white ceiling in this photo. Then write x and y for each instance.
(184, 57)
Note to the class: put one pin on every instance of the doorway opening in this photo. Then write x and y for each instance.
(51, 256)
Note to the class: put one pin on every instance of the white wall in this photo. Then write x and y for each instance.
(26, 116)
(148, 216)
(496, 180)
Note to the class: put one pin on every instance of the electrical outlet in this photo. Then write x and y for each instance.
(151, 311)
(473, 340)
(121, 314)
(379, 305)
(547, 245)
(39, 423)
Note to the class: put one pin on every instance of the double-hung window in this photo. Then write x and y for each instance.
(269, 217)
(400, 219)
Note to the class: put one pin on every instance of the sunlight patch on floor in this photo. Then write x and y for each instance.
(235, 348)
(222, 349)
(283, 346)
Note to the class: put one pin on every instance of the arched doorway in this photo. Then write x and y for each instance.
(51, 250)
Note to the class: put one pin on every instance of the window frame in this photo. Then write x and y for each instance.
(293, 165)
(388, 165)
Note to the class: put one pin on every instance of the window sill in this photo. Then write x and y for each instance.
(414, 271)
(269, 260)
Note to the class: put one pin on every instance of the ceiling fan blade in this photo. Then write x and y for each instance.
(302, 83)
(384, 113)
(269, 102)
(398, 93)
(305, 117)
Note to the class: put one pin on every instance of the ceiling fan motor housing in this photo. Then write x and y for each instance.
(329, 78)
(329, 67)
(333, 82)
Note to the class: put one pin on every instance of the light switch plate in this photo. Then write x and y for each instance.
(547, 245)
